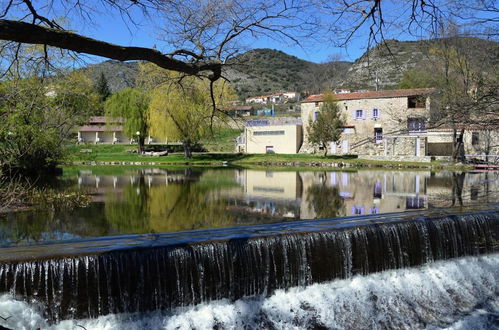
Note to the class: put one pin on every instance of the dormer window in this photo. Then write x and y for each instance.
(414, 102)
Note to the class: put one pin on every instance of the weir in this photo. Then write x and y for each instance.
(156, 272)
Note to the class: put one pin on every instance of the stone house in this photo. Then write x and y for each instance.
(388, 123)
(480, 142)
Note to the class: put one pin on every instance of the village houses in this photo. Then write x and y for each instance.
(387, 124)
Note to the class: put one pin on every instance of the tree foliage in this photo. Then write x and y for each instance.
(132, 105)
(186, 111)
(328, 125)
(102, 87)
(36, 118)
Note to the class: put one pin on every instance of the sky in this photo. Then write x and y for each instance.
(114, 29)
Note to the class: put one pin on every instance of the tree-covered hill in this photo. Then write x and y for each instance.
(265, 71)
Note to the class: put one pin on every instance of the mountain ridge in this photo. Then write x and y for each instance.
(264, 71)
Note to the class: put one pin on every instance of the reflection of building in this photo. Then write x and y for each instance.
(272, 184)
(272, 193)
(369, 192)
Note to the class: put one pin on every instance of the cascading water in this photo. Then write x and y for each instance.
(172, 270)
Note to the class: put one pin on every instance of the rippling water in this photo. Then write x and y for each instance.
(157, 200)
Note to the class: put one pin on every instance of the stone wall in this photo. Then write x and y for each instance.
(392, 119)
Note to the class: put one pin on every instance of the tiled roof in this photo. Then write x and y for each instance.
(372, 94)
(103, 120)
(98, 128)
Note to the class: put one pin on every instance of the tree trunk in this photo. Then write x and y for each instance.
(187, 149)
(458, 146)
(325, 150)
(141, 144)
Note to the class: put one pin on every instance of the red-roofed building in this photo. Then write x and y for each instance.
(101, 129)
(386, 123)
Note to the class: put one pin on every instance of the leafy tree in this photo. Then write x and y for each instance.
(132, 105)
(328, 125)
(36, 118)
(418, 78)
(185, 110)
(102, 87)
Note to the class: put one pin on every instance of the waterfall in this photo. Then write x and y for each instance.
(234, 263)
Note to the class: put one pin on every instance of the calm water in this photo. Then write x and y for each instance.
(129, 201)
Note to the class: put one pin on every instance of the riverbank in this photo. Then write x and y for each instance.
(121, 155)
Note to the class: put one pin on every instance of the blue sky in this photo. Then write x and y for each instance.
(114, 29)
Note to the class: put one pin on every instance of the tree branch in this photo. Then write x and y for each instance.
(33, 34)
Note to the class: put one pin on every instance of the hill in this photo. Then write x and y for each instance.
(388, 61)
(264, 71)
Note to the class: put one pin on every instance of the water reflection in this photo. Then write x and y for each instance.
(164, 200)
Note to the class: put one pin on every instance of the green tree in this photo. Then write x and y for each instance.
(36, 118)
(132, 105)
(102, 87)
(328, 125)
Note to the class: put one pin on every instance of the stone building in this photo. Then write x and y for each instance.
(389, 123)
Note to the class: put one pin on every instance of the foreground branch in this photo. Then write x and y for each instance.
(34, 34)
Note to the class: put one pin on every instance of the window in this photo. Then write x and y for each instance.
(414, 102)
(358, 210)
(377, 190)
(375, 114)
(378, 135)
(348, 130)
(359, 114)
(415, 202)
(316, 104)
(269, 150)
(475, 138)
(268, 133)
(416, 125)
(316, 116)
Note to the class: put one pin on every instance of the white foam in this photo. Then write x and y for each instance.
(458, 294)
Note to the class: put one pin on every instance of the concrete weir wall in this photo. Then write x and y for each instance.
(156, 272)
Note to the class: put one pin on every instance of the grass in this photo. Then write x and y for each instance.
(222, 141)
(118, 153)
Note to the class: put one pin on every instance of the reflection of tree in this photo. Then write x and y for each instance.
(186, 206)
(183, 205)
(128, 213)
(457, 188)
(325, 201)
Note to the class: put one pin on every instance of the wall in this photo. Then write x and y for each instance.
(393, 114)
(288, 143)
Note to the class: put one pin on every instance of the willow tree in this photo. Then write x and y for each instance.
(187, 109)
(132, 105)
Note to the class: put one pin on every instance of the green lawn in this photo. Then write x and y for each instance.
(118, 153)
